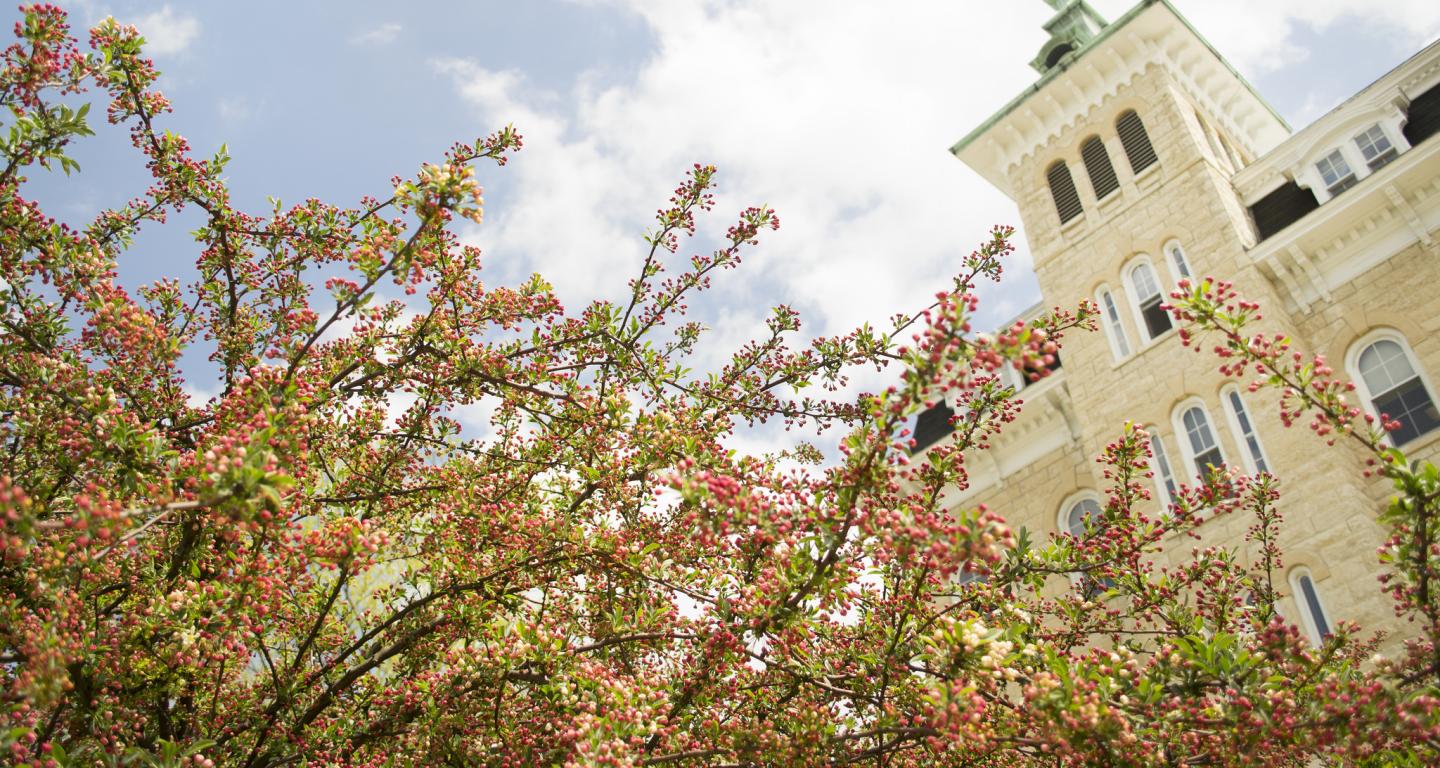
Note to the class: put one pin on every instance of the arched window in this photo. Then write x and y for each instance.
(1136, 141)
(1078, 512)
(1198, 438)
(1312, 611)
(1114, 329)
(1073, 516)
(1178, 262)
(1062, 188)
(1160, 465)
(1149, 299)
(1097, 164)
(1245, 429)
(1395, 388)
(1057, 54)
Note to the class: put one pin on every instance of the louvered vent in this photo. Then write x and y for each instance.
(1062, 188)
(1097, 164)
(1286, 205)
(1424, 117)
(1136, 141)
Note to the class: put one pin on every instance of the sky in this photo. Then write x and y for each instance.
(837, 113)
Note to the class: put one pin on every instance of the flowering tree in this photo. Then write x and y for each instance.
(291, 573)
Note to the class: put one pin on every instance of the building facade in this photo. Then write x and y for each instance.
(1141, 157)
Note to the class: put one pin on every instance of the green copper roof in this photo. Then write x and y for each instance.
(1100, 38)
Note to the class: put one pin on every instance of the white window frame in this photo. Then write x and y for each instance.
(1162, 466)
(1377, 126)
(1312, 630)
(1350, 178)
(1251, 465)
(1138, 314)
(1182, 435)
(1352, 369)
(1170, 262)
(1063, 517)
(1114, 326)
(1010, 377)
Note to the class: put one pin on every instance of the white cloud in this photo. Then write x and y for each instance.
(1256, 35)
(167, 32)
(837, 114)
(381, 35)
(234, 109)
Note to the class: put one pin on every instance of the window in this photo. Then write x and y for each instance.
(1010, 377)
(1062, 188)
(1245, 428)
(1097, 164)
(1078, 513)
(1164, 476)
(1148, 299)
(1113, 327)
(1396, 389)
(1136, 141)
(1336, 173)
(968, 577)
(1204, 450)
(1376, 148)
(1177, 258)
(1312, 612)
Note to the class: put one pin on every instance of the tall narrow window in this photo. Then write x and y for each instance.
(1376, 148)
(1113, 327)
(1336, 173)
(1317, 624)
(1097, 164)
(1136, 141)
(1204, 450)
(1396, 390)
(1164, 475)
(1177, 258)
(1076, 515)
(1149, 299)
(1245, 428)
(1062, 188)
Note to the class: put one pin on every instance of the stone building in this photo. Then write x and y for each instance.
(1140, 157)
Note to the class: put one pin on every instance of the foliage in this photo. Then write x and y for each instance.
(292, 573)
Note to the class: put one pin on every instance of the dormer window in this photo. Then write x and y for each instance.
(1375, 146)
(1336, 173)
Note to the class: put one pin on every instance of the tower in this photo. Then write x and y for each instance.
(1139, 158)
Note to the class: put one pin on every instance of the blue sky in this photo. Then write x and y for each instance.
(837, 113)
